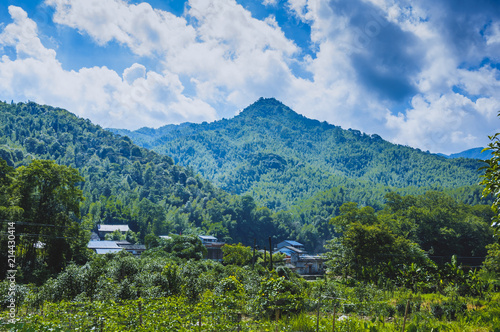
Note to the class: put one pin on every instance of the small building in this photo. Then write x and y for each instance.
(292, 252)
(102, 230)
(207, 239)
(134, 249)
(214, 247)
(309, 265)
(290, 243)
(298, 260)
(104, 247)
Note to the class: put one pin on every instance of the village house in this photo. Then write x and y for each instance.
(104, 247)
(214, 247)
(298, 260)
(102, 230)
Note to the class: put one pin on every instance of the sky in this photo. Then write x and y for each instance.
(419, 73)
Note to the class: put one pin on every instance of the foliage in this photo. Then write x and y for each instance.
(125, 184)
(184, 247)
(492, 262)
(236, 254)
(282, 158)
(491, 177)
(48, 234)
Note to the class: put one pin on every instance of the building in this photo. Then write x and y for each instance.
(290, 243)
(134, 249)
(214, 247)
(309, 265)
(298, 260)
(102, 230)
(104, 247)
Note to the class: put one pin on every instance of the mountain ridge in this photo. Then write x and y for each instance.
(240, 155)
(474, 153)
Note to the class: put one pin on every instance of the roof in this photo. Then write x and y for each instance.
(106, 251)
(290, 249)
(294, 243)
(289, 243)
(133, 246)
(112, 228)
(311, 258)
(103, 245)
(207, 237)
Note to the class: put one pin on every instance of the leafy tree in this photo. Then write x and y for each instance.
(49, 233)
(368, 252)
(115, 236)
(491, 177)
(185, 247)
(492, 262)
(236, 254)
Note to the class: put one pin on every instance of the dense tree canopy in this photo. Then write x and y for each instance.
(47, 199)
(282, 158)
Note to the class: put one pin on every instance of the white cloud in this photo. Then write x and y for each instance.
(139, 98)
(22, 34)
(270, 2)
(143, 29)
(493, 34)
(448, 121)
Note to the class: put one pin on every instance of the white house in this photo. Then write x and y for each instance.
(102, 230)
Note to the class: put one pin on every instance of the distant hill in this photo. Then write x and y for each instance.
(282, 158)
(127, 184)
(475, 153)
(303, 170)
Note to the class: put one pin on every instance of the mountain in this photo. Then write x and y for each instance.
(127, 184)
(302, 170)
(475, 153)
(283, 159)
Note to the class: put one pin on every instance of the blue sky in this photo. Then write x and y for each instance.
(424, 74)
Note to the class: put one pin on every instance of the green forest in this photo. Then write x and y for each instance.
(282, 158)
(407, 240)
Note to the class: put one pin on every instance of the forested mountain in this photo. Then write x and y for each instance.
(283, 159)
(475, 153)
(124, 183)
(268, 151)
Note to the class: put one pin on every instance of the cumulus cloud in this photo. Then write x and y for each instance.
(136, 98)
(140, 27)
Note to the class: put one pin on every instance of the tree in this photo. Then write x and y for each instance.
(185, 246)
(368, 252)
(8, 214)
(49, 234)
(236, 254)
(491, 177)
(366, 248)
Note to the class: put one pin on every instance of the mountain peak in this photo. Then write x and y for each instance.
(269, 108)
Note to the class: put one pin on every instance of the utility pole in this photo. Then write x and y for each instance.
(270, 254)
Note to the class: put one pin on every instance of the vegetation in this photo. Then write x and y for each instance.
(423, 259)
(116, 292)
(282, 158)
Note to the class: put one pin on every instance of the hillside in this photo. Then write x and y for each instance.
(475, 153)
(283, 159)
(128, 184)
